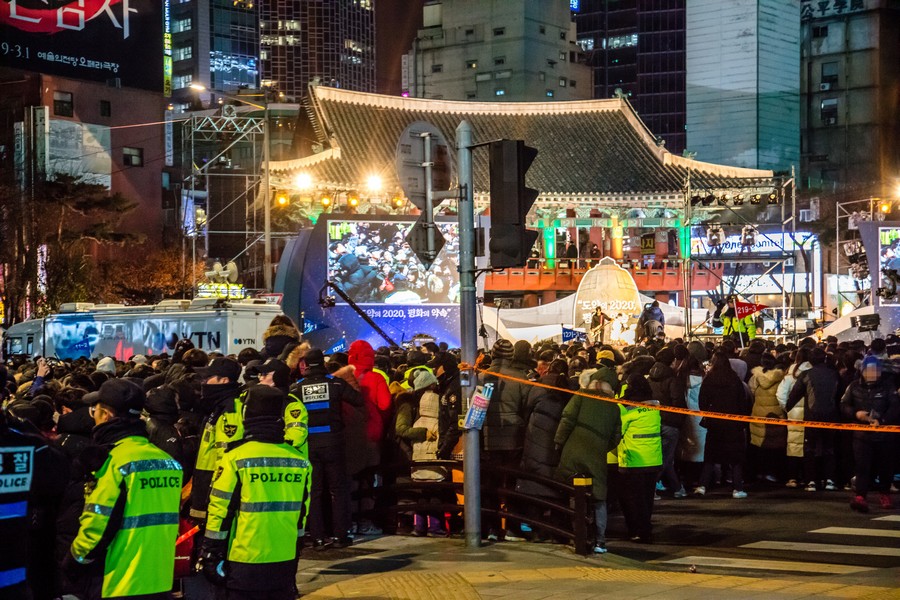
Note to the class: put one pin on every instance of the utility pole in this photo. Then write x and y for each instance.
(468, 332)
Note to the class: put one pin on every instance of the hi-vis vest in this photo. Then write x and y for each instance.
(641, 444)
(135, 502)
(273, 483)
(228, 428)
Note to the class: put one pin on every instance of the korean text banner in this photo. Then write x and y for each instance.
(97, 40)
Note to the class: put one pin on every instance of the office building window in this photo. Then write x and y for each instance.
(182, 53)
(499, 30)
(563, 82)
(829, 108)
(63, 104)
(542, 29)
(499, 60)
(571, 83)
(179, 82)
(471, 64)
(105, 108)
(470, 31)
(471, 95)
(483, 77)
(504, 74)
(133, 157)
(562, 56)
(542, 76)
(820, 31)
(550, 93)
(500, 92)
(830, 74)
(562, 34)
(181, 25)
(551, 63)
(437, 68)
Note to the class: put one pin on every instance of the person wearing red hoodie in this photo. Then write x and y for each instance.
(377, 398)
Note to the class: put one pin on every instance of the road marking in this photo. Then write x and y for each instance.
(888, 518)
(767, 565)
(832, 548)
(859, 531)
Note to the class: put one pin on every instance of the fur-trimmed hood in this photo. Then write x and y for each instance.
(281, 329)
(293, 359)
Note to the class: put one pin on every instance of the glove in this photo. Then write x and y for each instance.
(212, 562)
(73, 569)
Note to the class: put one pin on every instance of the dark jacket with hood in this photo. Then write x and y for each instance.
(818, 389)
(507, 414)
(540, 455)
(666, 390)
(162, 406)
(878, 398)
(278, 341)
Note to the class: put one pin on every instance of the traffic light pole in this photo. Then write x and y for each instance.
(468, 332)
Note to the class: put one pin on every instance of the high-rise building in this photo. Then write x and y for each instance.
(503, 50)
(742, 82)
(215, 43)
(638, 47)
(850, 112)
(332, 41)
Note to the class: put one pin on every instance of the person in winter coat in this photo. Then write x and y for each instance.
(425, 448)
(872, 399)
(504, 425)
(817, 390)
(726, 441)
(588, 430)
(651, 321)
(692, 443)
(665, 389)
(640, 457)
(767, 441)
(162, 408)
(450, 391)
(279, 338)
(540, 455)
(795, 434)
(606, 369)
(374, 391)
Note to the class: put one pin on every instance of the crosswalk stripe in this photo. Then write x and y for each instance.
(767, 565)
(887, 518)
(831, 548)
(859, 531)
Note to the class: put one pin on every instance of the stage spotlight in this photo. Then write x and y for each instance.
(772, 198)
(695, 200)
(708, 199)
(738, 199)
(723, 199)
(755, 198)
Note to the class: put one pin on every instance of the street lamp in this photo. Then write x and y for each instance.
(267, 206)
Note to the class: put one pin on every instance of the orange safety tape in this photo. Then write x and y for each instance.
(713, 415)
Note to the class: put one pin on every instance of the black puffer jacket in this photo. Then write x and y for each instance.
(878, 398)
(540, 456)
(507, 414)
(666, 391)
(819, 387)
(162, 406)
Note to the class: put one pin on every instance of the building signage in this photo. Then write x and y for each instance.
(816, 9)
(766, 243)
(97, 40)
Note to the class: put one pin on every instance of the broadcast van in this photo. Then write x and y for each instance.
(94, 330)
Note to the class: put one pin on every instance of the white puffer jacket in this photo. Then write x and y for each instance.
(795, 434)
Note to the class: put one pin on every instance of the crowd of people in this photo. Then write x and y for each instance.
(249, 458)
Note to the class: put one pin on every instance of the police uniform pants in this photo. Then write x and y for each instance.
(330, 483)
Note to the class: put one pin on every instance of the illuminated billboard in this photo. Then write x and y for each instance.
(888, 261)
(97, 40)
(372, 263)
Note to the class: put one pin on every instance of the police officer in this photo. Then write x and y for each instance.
(220, 400)
(323, 395)
(744, 329)
(275, 374)
(33, 476)
(258, 507)
(130, 519)
(640, 457)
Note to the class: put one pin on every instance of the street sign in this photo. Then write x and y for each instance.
(411, 162)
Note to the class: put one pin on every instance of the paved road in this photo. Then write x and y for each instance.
(776, 544)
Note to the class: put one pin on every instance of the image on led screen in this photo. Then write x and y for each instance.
(888, 260)
(372, 263)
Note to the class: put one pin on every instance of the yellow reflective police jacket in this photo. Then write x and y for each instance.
(227, 428)
(259, 502)
(641, 444)
(134, 503)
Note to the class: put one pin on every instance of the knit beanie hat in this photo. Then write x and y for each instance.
(522, 351)
(502, 349)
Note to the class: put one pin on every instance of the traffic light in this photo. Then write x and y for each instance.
(511, 200)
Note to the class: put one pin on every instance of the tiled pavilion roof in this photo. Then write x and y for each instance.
(585, 148)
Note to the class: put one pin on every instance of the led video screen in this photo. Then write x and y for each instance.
(888, 261)
(372, 263)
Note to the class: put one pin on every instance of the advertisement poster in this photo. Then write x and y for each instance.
(98, 40)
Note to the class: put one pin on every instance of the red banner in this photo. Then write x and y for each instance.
(742, 309)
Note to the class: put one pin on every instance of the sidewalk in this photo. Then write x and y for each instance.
(402, 568)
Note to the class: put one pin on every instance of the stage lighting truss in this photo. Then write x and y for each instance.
(715, 236)
(748, 236)
(736, 197)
